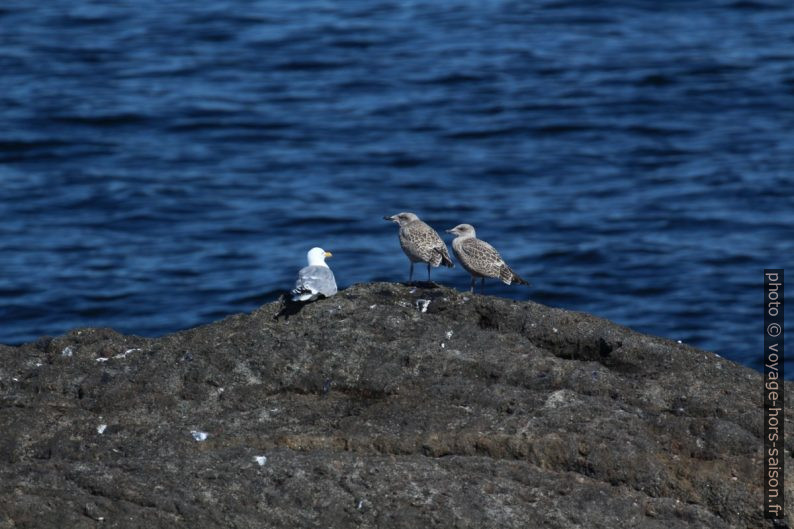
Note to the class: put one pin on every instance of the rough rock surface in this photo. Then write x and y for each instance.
(375, 408)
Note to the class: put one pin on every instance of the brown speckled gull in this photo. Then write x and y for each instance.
(420, 242)
(479, 258)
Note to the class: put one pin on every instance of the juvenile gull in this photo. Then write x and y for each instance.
(316, 279)
(420, 243)
(479, 258)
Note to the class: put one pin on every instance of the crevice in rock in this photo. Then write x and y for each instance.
(594, 349)
(354, 393)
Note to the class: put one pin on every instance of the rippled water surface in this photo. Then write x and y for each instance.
(164, 164)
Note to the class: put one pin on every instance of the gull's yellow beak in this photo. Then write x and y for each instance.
(329, 254)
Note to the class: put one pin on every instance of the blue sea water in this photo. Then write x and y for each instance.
(164, 164)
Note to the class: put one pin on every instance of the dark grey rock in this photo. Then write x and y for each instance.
(479, 412)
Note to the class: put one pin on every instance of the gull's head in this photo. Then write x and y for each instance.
(316, 257)
(402, 218)
(462, 230)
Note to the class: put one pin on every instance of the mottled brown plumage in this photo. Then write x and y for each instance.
(420, 242)
(479, 258)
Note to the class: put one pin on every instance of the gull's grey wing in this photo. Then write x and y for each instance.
(315, 280)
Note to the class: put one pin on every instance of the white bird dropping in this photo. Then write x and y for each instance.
(199, 436)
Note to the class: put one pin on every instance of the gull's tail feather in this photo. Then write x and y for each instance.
(445, 259)
(508, 277)
(302, 294)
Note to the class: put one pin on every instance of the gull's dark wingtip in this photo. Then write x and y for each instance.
(445, 260)
(520, 280)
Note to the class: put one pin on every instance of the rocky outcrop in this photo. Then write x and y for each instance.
(384, 406)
